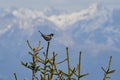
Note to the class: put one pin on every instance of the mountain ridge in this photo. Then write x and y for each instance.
(93, 22)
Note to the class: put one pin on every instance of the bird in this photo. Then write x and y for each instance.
(47, 37)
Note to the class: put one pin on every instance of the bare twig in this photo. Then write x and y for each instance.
(29, 45)
(68, 62)
(61, 61)
(34, 57)
(79, 65)
(108, 71)
(15, 76)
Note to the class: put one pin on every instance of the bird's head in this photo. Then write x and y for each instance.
(52, 34)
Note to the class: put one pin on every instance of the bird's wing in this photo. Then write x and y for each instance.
(43, 35)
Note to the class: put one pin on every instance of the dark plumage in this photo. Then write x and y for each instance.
(47, 37)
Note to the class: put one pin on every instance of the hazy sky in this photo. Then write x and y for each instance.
(69, 5)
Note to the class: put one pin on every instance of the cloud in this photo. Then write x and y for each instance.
(5, 29)
(96, 12)
(97, 25)
(26, 17)
(96, 47)
(65, 39)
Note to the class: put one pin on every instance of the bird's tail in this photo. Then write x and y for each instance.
(40, 32)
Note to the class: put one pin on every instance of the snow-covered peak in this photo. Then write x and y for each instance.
(87, 24)
(65, 20)
(53, 11)
(62, 20)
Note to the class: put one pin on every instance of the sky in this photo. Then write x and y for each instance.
(69, 5)
(89, 26)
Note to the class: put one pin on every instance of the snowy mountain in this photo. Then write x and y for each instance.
(95, 25)
(93, 30)
(53, 11)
